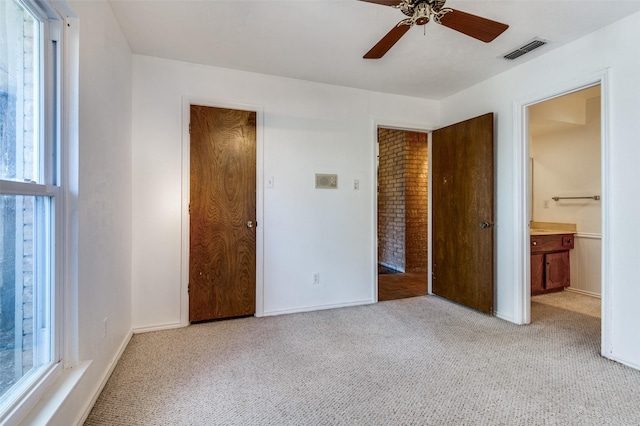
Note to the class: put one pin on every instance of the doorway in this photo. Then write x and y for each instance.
(565, 190)
(402, 194)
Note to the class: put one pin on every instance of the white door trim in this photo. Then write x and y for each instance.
(522, 300)
(410, 127)
(186, 176)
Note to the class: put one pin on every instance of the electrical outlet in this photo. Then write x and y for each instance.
(316, 278)
(356, 184)
(546, 204)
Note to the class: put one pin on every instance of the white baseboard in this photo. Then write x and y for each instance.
(316, 308)
(157, 327)
(586, 293)
(105, 378)
(621, 361)
(510, 318)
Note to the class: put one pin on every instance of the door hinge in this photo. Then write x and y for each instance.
(189, 127)
(189, 208)
(189, 288)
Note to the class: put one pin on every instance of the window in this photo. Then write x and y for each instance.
(29, 199)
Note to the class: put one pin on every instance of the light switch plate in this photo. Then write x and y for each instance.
(325, 181)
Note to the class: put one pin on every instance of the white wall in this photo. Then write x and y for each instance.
(607, 48)
(104, 200)
(308, 128)
(566, 163)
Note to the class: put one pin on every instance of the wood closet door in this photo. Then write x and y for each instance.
(222, 253)
(463, 186)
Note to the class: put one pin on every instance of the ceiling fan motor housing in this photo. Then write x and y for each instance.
(421, 11)
(421, 14)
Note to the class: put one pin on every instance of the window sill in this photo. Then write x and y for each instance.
(49, 404)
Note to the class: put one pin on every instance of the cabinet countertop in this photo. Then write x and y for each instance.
(549, 232)
(552, 228)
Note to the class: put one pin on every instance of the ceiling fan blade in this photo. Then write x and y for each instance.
(387, 42)
(384, 2)
(474, 26)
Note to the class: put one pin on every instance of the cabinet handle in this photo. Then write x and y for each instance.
(535, 243)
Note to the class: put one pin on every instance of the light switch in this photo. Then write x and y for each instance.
(270, 180)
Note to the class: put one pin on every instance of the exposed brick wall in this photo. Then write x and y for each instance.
(402, 200)
(391, 198)
(416, 202)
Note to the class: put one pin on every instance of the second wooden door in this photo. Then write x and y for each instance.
(462, 182)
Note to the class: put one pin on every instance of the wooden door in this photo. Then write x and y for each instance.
(222, 251)
(462, 161)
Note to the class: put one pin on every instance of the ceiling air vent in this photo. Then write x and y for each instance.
(523, 50)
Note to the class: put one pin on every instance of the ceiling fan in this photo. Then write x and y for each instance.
(420, 12)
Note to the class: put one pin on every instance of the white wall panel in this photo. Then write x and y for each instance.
(586, 264)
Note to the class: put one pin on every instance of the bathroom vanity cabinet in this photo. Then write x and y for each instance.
(550, 267)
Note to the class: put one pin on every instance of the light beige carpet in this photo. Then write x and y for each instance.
(420, 361)
(571, 301)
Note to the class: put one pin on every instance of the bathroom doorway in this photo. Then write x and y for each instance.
(565, 198)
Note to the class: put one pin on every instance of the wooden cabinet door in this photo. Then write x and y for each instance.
(537, 274)
(557, 270)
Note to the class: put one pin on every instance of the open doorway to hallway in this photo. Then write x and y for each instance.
(402, 213)
(565, 185)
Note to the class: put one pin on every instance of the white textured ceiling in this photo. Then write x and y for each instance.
(324, 40)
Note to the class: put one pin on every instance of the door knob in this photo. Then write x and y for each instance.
(250, 224)
(485, 225)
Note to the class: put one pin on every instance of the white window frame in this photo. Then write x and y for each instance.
(57, 120)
